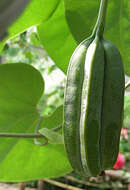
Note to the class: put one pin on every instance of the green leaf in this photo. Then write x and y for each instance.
(36, 12)
(57, 39)
(21, 87)
(52, 136)
(9, 11)
(81, 17)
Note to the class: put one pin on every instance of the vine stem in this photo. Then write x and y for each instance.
(27, 135)
(100, 24)
(21, 135)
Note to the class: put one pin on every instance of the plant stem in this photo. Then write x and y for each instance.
(21, 135)
(36, 131)
(100, 24)
(27, 135)
(57, 128)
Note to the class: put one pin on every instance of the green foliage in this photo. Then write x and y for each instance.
(35, 13)
(9, 11)
(21, 89)
(81, 17)
(57, 41)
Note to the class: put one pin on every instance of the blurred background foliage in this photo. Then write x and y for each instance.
(26, 48)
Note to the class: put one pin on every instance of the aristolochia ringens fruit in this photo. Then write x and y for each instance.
(93, 107)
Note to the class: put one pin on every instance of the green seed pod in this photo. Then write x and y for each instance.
(113, 102)
(93, 106)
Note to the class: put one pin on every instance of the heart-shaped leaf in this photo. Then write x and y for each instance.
(21, 87)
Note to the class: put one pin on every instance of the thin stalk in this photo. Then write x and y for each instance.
(27, 135)
(37, 131)
(57, 128)
(21, 135)
(100, 24)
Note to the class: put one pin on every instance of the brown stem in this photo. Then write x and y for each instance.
(22, 186)
(40, 185)
(62, 185)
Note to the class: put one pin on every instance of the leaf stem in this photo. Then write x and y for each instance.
(26, 135)
(36, 131)
(100, 24)
(21, 135)
(57, 128)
